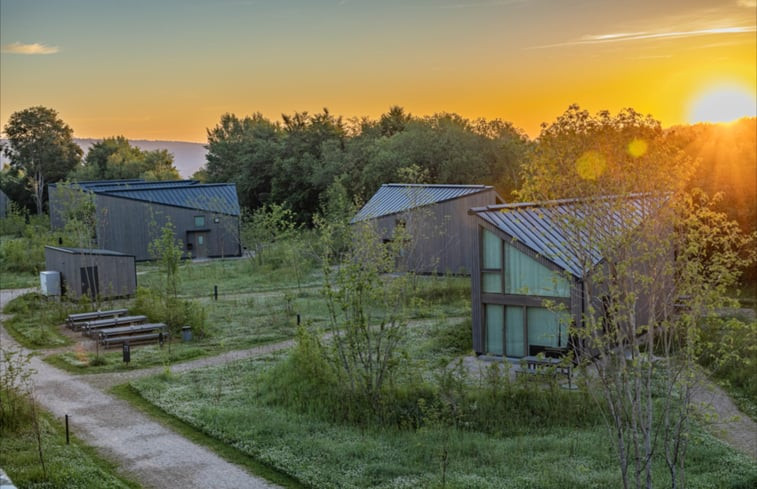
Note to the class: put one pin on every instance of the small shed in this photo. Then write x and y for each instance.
(436, 218)
(93, 272)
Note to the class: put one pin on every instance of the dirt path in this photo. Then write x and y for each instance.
(730, 424)
(144, 449)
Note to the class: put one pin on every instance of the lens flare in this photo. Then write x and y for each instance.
(637, 147)
(591, 165)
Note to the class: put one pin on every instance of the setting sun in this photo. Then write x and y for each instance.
(724, 103)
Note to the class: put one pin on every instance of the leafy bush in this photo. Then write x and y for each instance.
(729, 350)
(173, 311)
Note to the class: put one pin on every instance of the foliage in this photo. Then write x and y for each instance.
(167, 251)
(729, 350)
(14, 222)
(42, 146)
(366, 312)
(115, 158)
(172, 311)
(296, 163)
(227, 403)
(667, 260)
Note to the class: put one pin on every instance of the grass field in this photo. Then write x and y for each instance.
(226, 403)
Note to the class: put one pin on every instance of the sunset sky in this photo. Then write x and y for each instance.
(164, 69)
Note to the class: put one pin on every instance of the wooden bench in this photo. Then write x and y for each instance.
(543, 366)
(75, 321)
(91, 327)
(131, 339)
(108, 336)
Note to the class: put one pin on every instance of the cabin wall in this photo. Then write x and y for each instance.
(129, 226)
(443, 234)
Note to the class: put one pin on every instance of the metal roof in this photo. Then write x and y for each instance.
(86, 251)
(546, 227)
(393, 198)
(215, 197)
(134, 183)
(220, 198)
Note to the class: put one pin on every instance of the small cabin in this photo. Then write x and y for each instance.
(92, 272)
(435, 217)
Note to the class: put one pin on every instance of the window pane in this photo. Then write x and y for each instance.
(492, 250)
(492, 282)
(524, 275)
(494, 323)
(199, 221)
(547, 328)
(200, 239)
(514, 341)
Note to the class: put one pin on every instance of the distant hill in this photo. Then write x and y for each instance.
(187, 157)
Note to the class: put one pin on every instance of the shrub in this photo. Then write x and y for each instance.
(172, 311)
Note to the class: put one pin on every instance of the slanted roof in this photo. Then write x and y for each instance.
(393, 198)
(110, 185)
(545, 227)
(219, 198)
(86, 251)
(191, 194)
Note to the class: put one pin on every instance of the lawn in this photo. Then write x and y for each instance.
(228, 404)
(255, 305)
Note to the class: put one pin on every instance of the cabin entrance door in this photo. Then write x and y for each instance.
(197, 243)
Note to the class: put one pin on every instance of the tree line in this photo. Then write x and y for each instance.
(294, 162)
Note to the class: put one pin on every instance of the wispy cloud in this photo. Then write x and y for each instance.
(747, 3)
(639, 36)
(34, 48)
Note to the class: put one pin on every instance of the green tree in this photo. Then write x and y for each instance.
(41, 145)
(666, 262)
(115, 158)
(367, 312)
(244, 151)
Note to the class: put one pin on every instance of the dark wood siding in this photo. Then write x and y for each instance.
(445, 233)
(128, 226)
(116, 274)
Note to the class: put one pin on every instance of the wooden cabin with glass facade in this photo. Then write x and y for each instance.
(523, 302)
(530, 266)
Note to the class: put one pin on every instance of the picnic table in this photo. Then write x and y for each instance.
(91, 327)
(138, 333)
(75, 321)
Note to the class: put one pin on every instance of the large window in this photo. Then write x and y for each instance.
(494, 325)
(521, 331)
(524, 275)
(491, 266)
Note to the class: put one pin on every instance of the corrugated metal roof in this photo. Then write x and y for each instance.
(546, 227)
(86, 251)
(220, 198)
(135, 183)
(393, 198)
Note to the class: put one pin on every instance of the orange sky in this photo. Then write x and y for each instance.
(169, 69)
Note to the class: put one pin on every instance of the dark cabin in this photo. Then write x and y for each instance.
(92, 272)
(436, 216)
(131, 213)
(525, 255)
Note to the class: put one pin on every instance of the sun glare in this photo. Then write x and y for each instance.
(724, 103)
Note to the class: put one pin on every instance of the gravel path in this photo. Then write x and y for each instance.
(145, 450)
